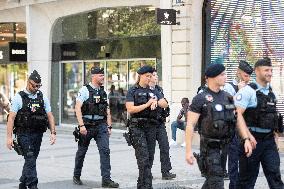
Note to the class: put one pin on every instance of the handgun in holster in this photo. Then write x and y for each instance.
(127, 137)
(18, 148)
(200, 162)
(76, 134)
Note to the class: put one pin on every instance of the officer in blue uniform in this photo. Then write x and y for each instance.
(256, 109)
(30, 116)
(94, 120)
(214, 110)
(162, 136)
(243, 74)
(141, 104)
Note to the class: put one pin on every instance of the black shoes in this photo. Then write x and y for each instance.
(109, 184)
(77, 180)
(22, 186)
(168, 176)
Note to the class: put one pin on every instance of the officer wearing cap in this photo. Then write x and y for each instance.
(30, 116)
(256, 109)
(94, 119)
(141, 104)
(161, 133)
(215, 111)
(242, 78)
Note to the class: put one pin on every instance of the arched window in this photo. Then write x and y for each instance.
(237, 30)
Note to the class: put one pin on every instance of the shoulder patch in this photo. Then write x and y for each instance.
(239, 97)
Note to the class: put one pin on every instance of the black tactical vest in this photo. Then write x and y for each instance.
(142, 96)
(96, 104)
(163, 113)
(32, 115)
(218, 119)
(264, 115)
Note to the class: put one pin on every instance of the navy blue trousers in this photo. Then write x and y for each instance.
(30, 143)
(235, 150)
(267, 154)
(100, 134)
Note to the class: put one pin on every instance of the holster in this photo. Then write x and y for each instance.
(200, 162)
(18, 148)
(127, 138)
(77, 134)
(280, 123)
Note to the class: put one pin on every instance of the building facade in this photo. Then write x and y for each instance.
(66, 37)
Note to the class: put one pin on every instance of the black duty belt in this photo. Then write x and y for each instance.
(92, 123)
(144, 120)
(262, 136)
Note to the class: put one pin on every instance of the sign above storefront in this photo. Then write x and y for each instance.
(17, 52)
(166, 16)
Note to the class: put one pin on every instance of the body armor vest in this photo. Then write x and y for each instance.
(163, 113)
(96, 104)
(264, 115)
(218, 119)
(32, 115)
(142, 96)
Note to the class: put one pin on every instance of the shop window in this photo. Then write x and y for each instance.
(245, 30)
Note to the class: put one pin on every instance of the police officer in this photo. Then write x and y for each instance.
(161, 132)
(30, 116)
(243, 74)
(256, 109)
(141, 104)
(94, 120)
(214, 110)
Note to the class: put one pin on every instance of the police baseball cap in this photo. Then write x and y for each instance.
(214, 69)
(145, 69)
(35, 77)
(263, 62)
(244, 66)
(97, 70)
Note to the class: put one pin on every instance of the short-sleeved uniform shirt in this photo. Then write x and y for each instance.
(133, 89)
(246, 98)
(83, 95)
(230, 89)
(17, 102)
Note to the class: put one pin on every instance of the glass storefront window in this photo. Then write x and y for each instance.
(13, 78)
(72, 78)
(117, 88)
(12, 31)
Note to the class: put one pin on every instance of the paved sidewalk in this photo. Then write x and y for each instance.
(55, 165)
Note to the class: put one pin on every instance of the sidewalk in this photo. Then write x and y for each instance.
(55, 165)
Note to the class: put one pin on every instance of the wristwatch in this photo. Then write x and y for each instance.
(53, 132)
(109, 127)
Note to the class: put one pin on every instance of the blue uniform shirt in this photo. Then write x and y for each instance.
(83, 95)
(246, 98)
(230, 89)
(17, 102)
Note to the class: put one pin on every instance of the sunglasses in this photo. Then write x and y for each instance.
(35, 85)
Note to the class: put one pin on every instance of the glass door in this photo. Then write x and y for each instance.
(72, 81)
(117, 87)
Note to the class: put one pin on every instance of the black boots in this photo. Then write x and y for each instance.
(168, 176)
(22, 186)
(77, 180)
(109, 184)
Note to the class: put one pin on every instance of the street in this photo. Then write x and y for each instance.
(55, 165)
